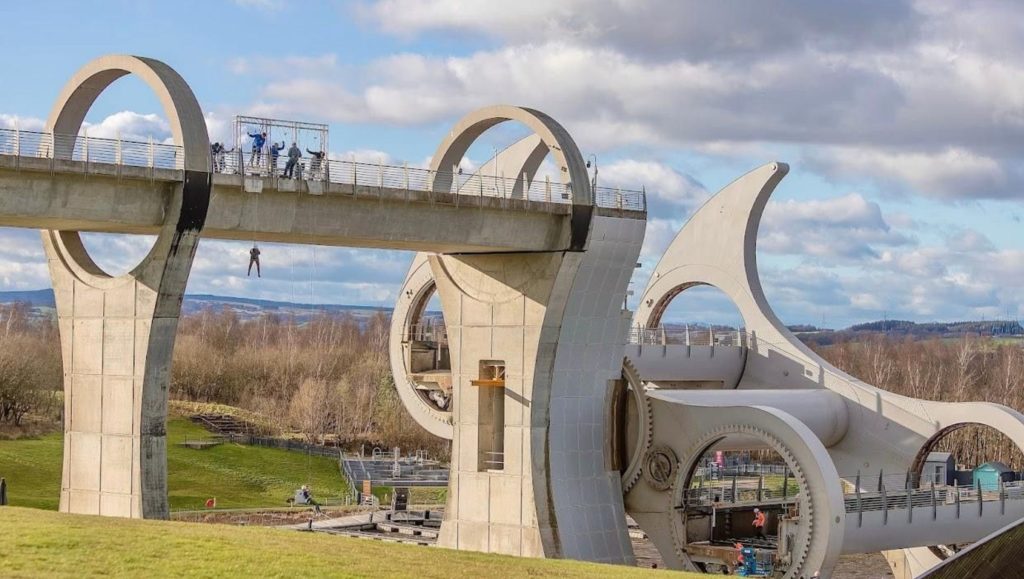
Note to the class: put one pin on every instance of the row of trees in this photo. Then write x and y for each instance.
(965, 369)
(30, 370)
(329, 378)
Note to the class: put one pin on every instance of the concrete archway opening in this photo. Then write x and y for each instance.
(744, 505)
(696, 313)
(966, 457)
(953, 454)
(427, 359)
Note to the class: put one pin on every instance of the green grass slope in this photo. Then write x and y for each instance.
(46, 544)
(238, 476)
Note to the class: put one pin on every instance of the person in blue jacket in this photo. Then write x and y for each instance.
(258, 140)
(275, 152)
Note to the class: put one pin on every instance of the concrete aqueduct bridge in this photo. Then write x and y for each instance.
(532, 279)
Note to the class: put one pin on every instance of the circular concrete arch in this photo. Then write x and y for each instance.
(570, 162)
(186, 213)
(409, 307)
(1001, 419)
(819, 535)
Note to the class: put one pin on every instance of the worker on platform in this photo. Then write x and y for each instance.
(294, 154)
(254, 258)
(275, 152)
(258, 140)
(759, 522)
(316, 163)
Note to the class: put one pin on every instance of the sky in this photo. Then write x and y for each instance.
(902, 123)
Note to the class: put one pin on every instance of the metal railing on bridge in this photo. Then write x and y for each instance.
(688, 336)
(906, 492)
(40, 145)
(436, 333)
(151, 154)
(742, 485)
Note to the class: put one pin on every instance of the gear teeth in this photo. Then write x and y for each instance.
(678, 527)
(646, 416)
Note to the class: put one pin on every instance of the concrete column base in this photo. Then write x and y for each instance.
(554, 323)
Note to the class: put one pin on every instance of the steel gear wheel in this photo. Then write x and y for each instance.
(803, 538)
(645, 429)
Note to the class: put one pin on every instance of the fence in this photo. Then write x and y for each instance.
(437, 333)
(696, 336)
(748, 484)
(286, 444)
(91, 150)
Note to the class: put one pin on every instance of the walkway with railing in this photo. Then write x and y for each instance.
(885, 492)
(95, 152)
(905, 491)
(687, 336)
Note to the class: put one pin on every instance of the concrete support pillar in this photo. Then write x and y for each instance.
(117, 340)
(117, 333)
(531, 474)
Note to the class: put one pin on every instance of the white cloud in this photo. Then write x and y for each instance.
(23, 123)
(846, 227)
(948, 174)
(130, 126)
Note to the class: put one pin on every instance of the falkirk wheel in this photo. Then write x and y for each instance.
(850, 454)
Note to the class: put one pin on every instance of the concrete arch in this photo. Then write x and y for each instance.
(187, 212)
(690, 428)
(117, 333)
(819, 542)
(718, 247)
(950, 417)
(555, 138)
(412, 300)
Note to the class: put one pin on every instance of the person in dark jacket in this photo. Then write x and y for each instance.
(294, 154)
(275, 152)
(317, 163)
(254, 259)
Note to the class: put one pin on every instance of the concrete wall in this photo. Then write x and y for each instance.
(555, 320)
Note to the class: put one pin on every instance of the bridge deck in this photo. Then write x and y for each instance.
(121, 187)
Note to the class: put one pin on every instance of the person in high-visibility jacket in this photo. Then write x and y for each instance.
(759, 522)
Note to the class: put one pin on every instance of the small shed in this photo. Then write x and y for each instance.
(988, 475)
(939, 468)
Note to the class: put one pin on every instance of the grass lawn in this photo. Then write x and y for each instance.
(238, 476)
(39, 543)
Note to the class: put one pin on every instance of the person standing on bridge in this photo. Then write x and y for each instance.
(216, 150)
(759, 522)
(258, 140)
(294, 154)
(316, 163)
(275, 152)
(254, 259)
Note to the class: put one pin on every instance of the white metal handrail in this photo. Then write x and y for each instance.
(688, 336)
(427, 333)
(40, 145)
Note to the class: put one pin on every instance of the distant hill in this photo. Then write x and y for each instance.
(913, 330)
(34, 298)
(43, 304)
(247, 308)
